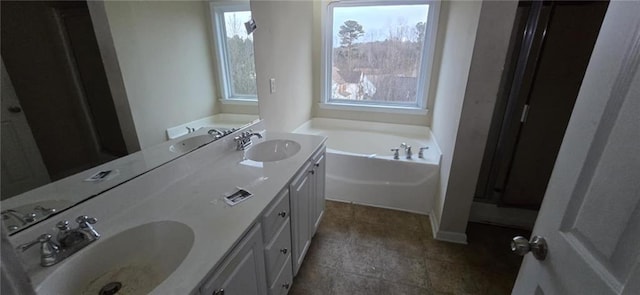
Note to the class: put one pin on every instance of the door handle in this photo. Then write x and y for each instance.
(538, 246)
(14, 109)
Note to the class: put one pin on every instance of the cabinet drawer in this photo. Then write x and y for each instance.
(276, 215)
(277, 251)
(283, 281)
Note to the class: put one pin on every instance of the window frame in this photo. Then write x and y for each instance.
(217, 10)
(425, 68)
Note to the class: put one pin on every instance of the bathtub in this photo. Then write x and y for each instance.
(361, 168)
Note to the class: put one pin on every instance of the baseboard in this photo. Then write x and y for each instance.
(503, 216)
(446, 236)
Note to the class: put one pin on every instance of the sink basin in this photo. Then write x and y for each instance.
(273, 150)
(139, 259)
(190, 143)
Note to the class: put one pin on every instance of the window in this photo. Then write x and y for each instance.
(379, 53)
(235, 51)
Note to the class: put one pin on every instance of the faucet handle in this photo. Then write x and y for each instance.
(396, 153)
(421, 153)
(63, 225)
(85, 220)
(42, 239)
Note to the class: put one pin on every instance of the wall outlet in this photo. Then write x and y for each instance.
(272, 85)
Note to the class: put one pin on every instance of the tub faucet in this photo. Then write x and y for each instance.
(22, 218)
(421, 153)
(396, 154)
(407, 150)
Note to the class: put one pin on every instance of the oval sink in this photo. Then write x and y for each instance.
(190, 143)
(135, 261)
(273, 150)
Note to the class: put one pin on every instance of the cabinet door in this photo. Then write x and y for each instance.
(319, 184)
(242, 272)
(300, 190)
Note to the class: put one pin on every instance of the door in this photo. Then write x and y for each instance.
(22, 165)
(318, 190)
(242, 272)
(549, 52)
(590, 216)
(567, 45)
(300, 204)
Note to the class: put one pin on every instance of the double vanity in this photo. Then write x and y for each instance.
(171, 230)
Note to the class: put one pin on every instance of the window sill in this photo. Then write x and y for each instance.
(245, 102)
(372, 108)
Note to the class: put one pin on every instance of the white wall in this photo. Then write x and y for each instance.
(163, 50)
(283, 51)
(477, 37)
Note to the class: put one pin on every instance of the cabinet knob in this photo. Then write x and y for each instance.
(316, 164)
(286, 285)
(218, 292)
(283, 214)
(312, 172)
(284, 250)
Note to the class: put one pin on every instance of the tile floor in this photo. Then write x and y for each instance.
(367, 250)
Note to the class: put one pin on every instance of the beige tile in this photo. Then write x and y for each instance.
(444, 251)
(456, 278)
(387, 217)
(340, 210)
(406, 240)
(353, 284)
(402, 289)
(334, 229)
(313, 279)
(400, 268)
(325, 253)
(362, 260)
(367, 234)
(366, 250)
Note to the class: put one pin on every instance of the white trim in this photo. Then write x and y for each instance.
(374, 108)
(238, 101)
(445, 236)
(511, 217)
(427, 54)
(452, 237)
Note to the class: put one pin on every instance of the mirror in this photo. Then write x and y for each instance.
(101, 89)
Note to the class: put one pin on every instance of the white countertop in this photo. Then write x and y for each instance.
(188, 190)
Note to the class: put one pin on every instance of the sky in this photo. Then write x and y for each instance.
(236, 26)
(376, 20)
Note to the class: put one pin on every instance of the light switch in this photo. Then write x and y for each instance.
(272, 85)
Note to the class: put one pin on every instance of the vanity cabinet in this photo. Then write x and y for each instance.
(307, 205)
(243, 271)
(277, 250)
(267, 258)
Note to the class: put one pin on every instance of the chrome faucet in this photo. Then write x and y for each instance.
(217, 134)
(48, 249)
(407, 150)
(67, 242)
(243, 141)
